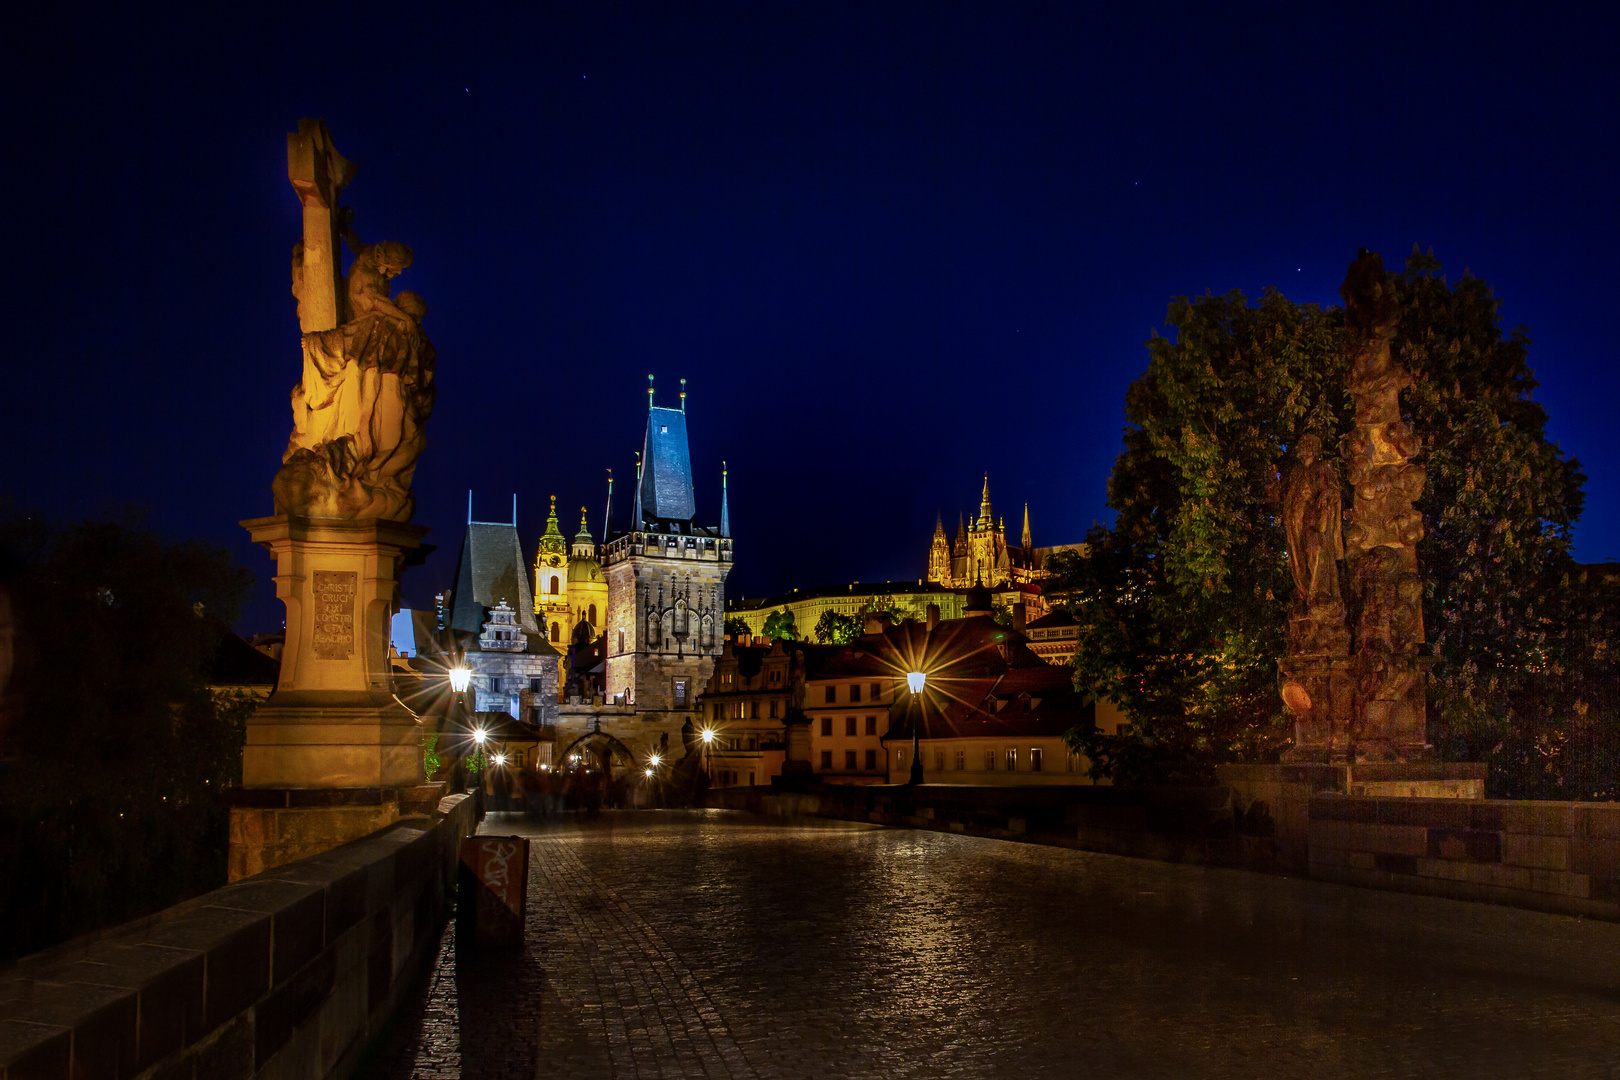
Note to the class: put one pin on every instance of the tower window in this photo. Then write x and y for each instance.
(554, 589)
(593, 615)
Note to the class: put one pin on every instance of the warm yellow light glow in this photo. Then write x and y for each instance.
(915, 680)
(708, 736)
(460, 677)
(649, 772)
(479, 735)
(500, 759)
(653, 761)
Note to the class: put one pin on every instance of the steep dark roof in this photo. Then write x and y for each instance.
(666, 468)
(1060, 617)
(491, 569)
(236, 663)
(1019, 704)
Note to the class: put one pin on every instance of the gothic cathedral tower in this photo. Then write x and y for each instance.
(666, 579)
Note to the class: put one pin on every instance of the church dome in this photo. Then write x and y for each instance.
(584, 569)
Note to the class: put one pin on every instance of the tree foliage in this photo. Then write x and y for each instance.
(1183, 602)
(737, 626)
(835, 629)
(116, 750)
(779, 625)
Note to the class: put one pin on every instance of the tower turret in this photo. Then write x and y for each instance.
(550, 577)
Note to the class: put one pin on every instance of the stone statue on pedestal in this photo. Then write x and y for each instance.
(1368, 705)
(333, 754)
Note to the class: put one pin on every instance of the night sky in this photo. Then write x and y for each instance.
(892, 247)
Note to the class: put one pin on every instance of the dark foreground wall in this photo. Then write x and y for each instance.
(286, 974)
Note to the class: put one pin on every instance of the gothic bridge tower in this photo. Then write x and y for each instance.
(666, 578)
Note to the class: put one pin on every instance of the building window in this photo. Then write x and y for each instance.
(537, 686)
(1073, 759)
(961, 760)
(849, 760)
(621, 641)
(1012, 759)
(871, 761)
(989, 761)
(593, 615)
(755, 713)
(854, 693)
(832, 695)
(554, 588)
(1034, 759)
(849, 725)
(753, 742)
(556, 632)
(776, 676)
(680, 693)
(773, 708)
(939, 761)
(826, 760)
(871, 725)
(877, 691)
(826, 727)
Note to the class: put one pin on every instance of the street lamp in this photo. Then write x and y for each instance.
(708, 758)
(460, 679)
(916, 681)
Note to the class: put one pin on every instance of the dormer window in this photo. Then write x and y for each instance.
(663, 429)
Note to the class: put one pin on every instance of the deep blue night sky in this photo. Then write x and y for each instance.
(891, 248)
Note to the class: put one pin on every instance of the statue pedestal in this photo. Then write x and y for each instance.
(332, 755)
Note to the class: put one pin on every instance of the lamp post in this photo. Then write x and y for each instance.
(708, 758)
(915, 682)
(460, 679)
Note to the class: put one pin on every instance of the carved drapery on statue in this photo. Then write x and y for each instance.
(360, 410)
(1368, 704)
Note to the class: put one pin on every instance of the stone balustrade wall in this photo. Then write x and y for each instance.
(1550, 856)
(1546, 856)
(289, 973)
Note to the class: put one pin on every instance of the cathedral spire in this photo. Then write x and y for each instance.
(725, 512)
(607, 518)
(986, 516)
(939, 526)
(1027, 541)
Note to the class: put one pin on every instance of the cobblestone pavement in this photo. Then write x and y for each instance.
(712, 944)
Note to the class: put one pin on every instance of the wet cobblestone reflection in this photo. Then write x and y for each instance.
(717, 945)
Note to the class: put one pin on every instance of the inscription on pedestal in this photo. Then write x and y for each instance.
(334, 614)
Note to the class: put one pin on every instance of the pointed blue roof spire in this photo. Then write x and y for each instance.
(607, 518)
(725, 513)
(635, 511)
(664, 484)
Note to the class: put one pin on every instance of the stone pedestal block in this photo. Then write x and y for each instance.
(323, 754)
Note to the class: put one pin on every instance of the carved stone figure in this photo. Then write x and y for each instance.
(1312, 513)
(367, 388)
(1383, 528)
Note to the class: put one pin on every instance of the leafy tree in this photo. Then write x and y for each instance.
(116, 750)
(737, 626)
(779, 626)
(1183, 602)
(836, 629)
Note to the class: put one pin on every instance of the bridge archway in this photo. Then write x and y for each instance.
(616, 751)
